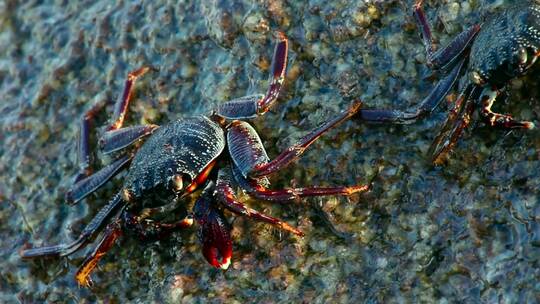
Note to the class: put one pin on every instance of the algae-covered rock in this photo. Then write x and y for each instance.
(464, 232)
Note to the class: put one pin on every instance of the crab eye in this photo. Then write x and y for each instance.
(527, 57)
(522, 56)
(177, 182)
(477, 78)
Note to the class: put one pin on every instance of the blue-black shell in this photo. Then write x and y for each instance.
(184, 146)
(494, 53)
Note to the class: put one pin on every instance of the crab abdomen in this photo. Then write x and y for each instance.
(184, 147)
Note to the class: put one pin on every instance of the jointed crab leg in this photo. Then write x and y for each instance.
(226, 196)
(257, 189)
(67, 249)
(256, 105)
(279, 66)
(499, 120)
(84, 141)
(446, 56)
(452, 56)
(458, 119)
(90, 184)
(146, 230)
(427, 105)
(121, 105)
(118, 139)
(420, 17)
(111, 233)
(240, 108)
(248, 153)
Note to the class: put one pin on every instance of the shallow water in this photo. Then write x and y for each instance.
(465, 232)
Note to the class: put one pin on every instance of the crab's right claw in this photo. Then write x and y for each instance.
(214, 233)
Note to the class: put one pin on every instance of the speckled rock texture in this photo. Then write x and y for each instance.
(465, 232)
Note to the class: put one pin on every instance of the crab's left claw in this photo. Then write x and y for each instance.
(214, 231)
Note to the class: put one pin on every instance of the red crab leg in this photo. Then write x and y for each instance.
(499, 120)
(427, 105)
(88, 232)
(214, 230)
(121, 105)
(449, 54)
(227, 197)
(90, 184)
(256, 105)
(257, 189)
(146, 230)
(111, 234)
(118, 139)
(458, 119)
(248, 153)
(153, 230)
(279, 66)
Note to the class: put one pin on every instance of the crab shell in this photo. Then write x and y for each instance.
(506, 46)
(184, 150)
(186, 147)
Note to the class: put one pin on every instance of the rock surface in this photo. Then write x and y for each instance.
(465, 232)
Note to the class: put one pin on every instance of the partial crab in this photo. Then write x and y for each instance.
(218, 153)
(503, 47)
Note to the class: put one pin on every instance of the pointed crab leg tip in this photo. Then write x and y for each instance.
(291, 229)
(530, 125)
(438, 161)
(84, 281)
(226, 263)
(143, 70)
(358, 189)
(357, 104)
(280, 36)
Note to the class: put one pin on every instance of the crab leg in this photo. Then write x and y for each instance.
(89, 231)
(118, 139)
(499, 120)
(84, 141)
(444, 57)
(458, 119)
(258, 189)
(90, 184)
(421, 20)
(214, 230)
(227, 197)
(256, 105)
(427, 105)
(248, 153)
(152, 230)
(121, 105)
(240, 108)
(146, 230)
(111, 234)
(279, 66)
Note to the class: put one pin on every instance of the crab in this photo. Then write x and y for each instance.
(218, 152)
(489, 55)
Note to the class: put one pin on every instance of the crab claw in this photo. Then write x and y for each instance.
(214, 232)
